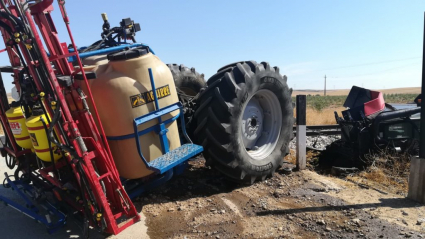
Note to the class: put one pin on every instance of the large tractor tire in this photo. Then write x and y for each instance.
(187, 80)
(189, 83)
(245, 121)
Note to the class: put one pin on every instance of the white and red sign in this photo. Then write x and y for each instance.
(16, 128)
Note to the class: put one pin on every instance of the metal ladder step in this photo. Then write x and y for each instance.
(174, 157)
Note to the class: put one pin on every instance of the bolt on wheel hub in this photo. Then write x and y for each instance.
(261, 124)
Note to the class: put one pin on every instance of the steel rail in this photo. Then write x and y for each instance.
(316, 130)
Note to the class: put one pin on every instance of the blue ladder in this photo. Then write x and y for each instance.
(172, 158)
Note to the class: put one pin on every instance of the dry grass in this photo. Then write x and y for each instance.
(324, 117)
(291, 157)
(311, 156)
(389, 171)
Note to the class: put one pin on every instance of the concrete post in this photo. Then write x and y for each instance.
(417, 180)
(301, 132)
(417, 164)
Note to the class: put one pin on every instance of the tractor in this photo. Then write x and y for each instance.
(369, 126)
(91, 128)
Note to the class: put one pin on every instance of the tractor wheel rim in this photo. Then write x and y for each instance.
(261, 124)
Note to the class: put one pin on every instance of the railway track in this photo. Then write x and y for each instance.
(316, 130)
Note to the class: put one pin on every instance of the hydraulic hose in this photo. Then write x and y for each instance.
(50, 147)
(11, 161)
(4, 7)
(15, 20)
(7, 28)
(84, 182)
(51, 135)
(97, 44)
(34, 53)
(86, 187)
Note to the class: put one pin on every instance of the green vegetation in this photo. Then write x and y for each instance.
(400, 98)
(319, 103)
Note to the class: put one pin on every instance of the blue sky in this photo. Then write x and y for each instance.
(377, 44)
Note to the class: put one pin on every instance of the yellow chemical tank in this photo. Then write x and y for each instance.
(122, 92)
(16, 119)
(38, 136)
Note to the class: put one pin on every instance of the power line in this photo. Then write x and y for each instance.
(366, 64)
(378, 72)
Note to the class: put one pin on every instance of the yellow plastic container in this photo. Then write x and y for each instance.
(39, 140)
(16, 119)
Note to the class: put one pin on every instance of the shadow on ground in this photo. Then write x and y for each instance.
(196, 181)
(385, 202)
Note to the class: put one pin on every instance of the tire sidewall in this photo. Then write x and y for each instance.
(266, 80)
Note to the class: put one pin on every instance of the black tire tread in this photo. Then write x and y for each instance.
(185, 77)
(215, 113)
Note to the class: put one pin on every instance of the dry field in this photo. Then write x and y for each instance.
(406, 90)
(326, 115)
(323, 117)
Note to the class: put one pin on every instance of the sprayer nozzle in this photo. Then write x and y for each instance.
(104, 17)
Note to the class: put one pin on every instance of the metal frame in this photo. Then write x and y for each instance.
(30, 209)
(95, 173)
(77, 127)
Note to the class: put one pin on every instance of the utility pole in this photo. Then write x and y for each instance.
(417, 164)
(325, 85)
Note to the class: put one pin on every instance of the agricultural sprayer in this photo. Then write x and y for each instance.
(93, 127)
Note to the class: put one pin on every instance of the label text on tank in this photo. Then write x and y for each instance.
(147, 97)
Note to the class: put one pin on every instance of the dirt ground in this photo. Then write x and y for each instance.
(200, 203)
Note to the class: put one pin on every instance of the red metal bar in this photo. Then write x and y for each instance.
(95, 154)
(80, 64)
(45, 172)
(16, 154)
(15, 62)
(55, 57)
(67, 114)
(105, 163)
(50, 36)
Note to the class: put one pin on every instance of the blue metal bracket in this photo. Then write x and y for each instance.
(135, 188)
(170, 158)
(25, 191)
(174, 157)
